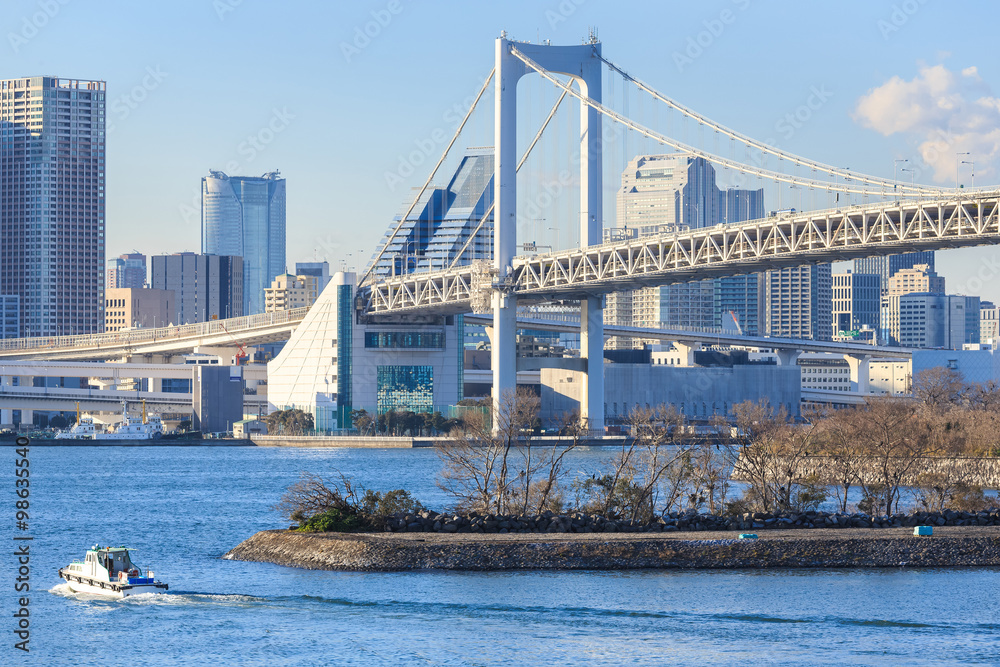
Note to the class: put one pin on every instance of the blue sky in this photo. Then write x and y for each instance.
(192, 80)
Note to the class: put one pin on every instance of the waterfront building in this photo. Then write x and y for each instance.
(245, 216)
(287, 292)
(10, 316)
(205, 287)
(825, 373)
(698, 392)
(128, 271)
(797, 303)
(443, 221)
(334, 364)
(52, 206)
(128, 308)
(856, 303)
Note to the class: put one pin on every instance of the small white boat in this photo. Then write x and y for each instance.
(109, 571)
(150, 427)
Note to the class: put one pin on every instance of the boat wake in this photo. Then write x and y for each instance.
(165, 599)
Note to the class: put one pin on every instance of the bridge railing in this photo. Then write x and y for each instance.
(120, 339)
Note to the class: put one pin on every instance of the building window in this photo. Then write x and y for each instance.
(404, 339)
(405, 388)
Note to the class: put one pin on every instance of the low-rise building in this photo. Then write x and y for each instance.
(129, 308)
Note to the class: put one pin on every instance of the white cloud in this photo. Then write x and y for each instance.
(946, 112)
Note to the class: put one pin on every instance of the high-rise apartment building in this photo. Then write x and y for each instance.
(856, 301)
(245, 216)
(52, 208)
(886, 267)
(659, 194)
(739, 295)
(797, 303)
(205, 287)
(10, 316)
(126, 271)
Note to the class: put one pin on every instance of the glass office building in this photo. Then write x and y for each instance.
(245, 216)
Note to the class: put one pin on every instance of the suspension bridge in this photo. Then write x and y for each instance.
(487, 275)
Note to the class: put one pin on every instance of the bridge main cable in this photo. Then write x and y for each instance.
(761, 146)
(716, 159)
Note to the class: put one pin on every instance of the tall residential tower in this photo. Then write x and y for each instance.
(52, 167)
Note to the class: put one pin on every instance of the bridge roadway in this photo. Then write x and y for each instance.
(227, 333)
(723, 250)
(709, 338)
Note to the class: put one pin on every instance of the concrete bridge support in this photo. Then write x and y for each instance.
(859, 365)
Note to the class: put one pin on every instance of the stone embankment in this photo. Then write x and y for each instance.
(819, 548)
(547, 522)
(983, 472)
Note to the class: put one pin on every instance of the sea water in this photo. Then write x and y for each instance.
(182, 508)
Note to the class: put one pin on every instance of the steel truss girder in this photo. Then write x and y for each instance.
(723, 250)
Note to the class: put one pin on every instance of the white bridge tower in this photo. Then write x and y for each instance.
(583, 64)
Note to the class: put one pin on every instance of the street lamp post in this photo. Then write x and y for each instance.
(912, 171)
(972, 163)
(958, 164)
(895, 180)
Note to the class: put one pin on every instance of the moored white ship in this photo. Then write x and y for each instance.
(109, 571)
(149, 427)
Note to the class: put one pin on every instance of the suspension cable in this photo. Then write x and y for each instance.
(527, 152)
(423, 188)
(742, 138)
(764, 173)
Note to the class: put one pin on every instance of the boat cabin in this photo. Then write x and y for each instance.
(112, 559)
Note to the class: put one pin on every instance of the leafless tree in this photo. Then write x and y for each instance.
(502, 469)
(893, 444)
(939, 388)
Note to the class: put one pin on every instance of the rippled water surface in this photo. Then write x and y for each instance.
(183, 508)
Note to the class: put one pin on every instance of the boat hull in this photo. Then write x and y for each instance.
(83, 584)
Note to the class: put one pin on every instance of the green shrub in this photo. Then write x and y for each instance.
(379, 505)
(332, 520)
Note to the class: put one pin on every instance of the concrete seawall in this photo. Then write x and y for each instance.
(864, 548)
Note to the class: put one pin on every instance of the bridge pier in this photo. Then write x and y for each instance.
(788, 356)
(592, 349)
(858, 363)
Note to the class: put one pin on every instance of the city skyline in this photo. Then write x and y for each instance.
(829, 111)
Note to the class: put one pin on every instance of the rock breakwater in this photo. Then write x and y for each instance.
(820, 548)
